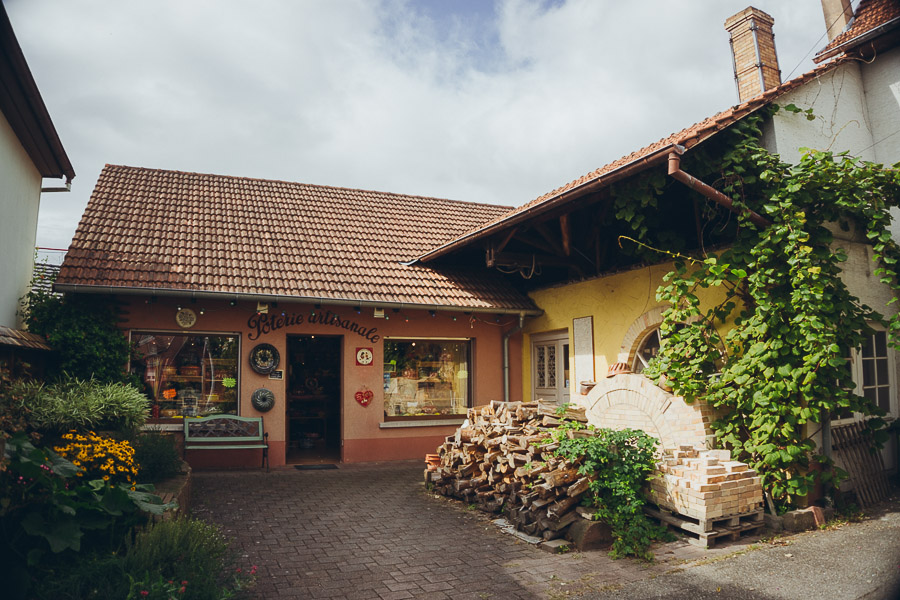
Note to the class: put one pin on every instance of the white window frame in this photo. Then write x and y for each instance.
(857, 374)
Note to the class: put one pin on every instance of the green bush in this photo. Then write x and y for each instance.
(51, 516)
(156, 456)
(73, 403)
(620, 463)
(189, 552)
(83, 330)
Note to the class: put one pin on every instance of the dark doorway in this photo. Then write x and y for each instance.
(314, 399)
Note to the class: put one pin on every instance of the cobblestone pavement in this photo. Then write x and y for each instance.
(373, 531)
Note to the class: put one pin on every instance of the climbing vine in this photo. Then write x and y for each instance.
(781, 367)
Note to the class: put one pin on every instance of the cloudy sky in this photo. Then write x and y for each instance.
(474, 100)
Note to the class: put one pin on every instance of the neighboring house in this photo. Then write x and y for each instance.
(600, 311)
(29, 151)
(419, 305)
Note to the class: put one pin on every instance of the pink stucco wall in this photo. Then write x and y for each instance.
(363, 437)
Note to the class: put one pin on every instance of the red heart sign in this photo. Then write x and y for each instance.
(364, 397)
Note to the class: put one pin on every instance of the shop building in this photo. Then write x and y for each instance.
(292, 302)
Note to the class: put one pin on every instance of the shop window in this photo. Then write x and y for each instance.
(426, 379)
(188, 375)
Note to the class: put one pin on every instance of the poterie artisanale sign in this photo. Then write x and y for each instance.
(262, 324)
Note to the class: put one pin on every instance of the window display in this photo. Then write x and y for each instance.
(188, 375)
(426, 378)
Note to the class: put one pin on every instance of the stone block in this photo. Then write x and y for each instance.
(556, 546)
(804, 519)
(589, 535)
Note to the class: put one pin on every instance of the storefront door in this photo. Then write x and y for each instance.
(550, 366)
(314, 399)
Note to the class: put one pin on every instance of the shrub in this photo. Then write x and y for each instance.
(99, 457)
(83, 332)
(156, 456)
(189, 552)
(82, 405)
(50, 517)
(620, 464)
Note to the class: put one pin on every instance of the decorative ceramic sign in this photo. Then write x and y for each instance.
(364, 357)
(186, 318)
(364, 397)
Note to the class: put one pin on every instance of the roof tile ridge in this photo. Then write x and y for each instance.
(305, 185)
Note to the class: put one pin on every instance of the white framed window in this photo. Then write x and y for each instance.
(873, 368)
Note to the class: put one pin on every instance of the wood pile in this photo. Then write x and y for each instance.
(503, 458)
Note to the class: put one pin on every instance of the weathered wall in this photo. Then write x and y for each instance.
(20, 195)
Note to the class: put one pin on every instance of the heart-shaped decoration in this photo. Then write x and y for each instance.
(364, 397)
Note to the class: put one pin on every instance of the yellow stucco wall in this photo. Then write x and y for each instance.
(614, 301)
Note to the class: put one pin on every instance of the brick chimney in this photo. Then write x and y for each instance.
(838, 14)
(753, 52)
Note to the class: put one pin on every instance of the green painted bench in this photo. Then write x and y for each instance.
(227, 432)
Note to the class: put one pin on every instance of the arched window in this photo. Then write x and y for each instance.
(647, 349)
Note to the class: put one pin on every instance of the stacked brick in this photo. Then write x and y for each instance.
(710, 494)
(706, 484)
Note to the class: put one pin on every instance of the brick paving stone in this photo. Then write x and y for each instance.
(372, 531)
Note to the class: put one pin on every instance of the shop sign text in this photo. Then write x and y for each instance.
(262, 324)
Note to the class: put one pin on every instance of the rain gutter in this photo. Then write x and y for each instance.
(227, 296)
(709, 191)
(506, 337)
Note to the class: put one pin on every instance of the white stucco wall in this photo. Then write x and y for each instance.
(20, 195)
(881, 81)
(841, 117)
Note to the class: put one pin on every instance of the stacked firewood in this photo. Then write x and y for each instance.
(503, 458)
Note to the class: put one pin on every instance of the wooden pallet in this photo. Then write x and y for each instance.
(853, 443)
(705, 532)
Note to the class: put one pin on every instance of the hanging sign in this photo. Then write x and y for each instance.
(364, 396)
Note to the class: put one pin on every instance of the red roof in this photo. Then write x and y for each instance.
(870, 15)
(688, 138)
(151, 229)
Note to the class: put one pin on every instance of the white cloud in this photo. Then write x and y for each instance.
(497, 104)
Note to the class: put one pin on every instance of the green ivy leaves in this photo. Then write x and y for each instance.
(782, 367)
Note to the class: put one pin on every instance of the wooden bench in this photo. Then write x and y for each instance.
(227, 432)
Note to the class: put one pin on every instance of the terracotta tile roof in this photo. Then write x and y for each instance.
(869, 15)
(169, 230)
(21, 339)
(688, 138)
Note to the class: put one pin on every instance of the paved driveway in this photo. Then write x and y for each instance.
(372, 531)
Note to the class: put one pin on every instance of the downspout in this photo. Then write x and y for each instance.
(506, 337)
(709, 191)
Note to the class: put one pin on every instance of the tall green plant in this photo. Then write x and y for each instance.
(619, 463)
(83, 332)
(783, 362)
(72, 403)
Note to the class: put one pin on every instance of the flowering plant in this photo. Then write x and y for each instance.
(99, 457)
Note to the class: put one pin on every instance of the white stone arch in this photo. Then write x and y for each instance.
(633, 401)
